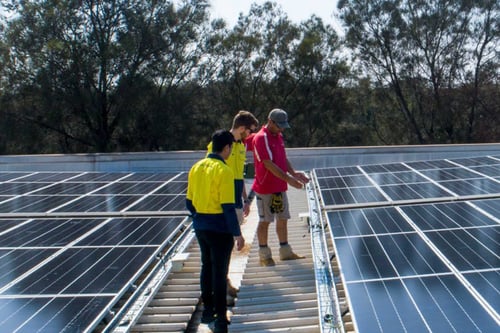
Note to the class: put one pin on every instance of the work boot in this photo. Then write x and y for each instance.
(286, 253)
(265, 256)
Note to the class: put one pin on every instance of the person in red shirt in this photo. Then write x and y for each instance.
(273, 174)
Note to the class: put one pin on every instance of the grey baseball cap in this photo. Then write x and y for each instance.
(280, 117)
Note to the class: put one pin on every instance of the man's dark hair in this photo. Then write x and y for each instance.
(220, 139)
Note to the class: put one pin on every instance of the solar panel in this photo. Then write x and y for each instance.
(425, 257)
(51, 314)
(64, 273)
(399, 183)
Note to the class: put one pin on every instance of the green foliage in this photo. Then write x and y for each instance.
(423, 52)
(99, 76)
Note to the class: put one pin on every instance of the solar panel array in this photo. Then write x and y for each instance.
(72, 244)
(418, 243)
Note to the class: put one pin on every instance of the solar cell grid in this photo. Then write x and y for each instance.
(365, 222)
(173, 188)
(133, 231)
(411, 256)
(389, 258)
(447, 216)
(97, 203)
(418, 191)
(488, 237)
(433, 164)
(334, 182)
(446, 305)
(149, 177)
(490, 206)
(8, 176)
(85, 271)
(349, 171)
(337, 197)
(427, 259)
(465, 252)
(129, 188)
(327, 172)
(366, 195)
(475, 161)
(345, 182)
(397, 178)
(20, 188)
(97, 176)
(5, 198)
(163, 203)
(6, 224)
(472, 187)
(51, 314)
(48, 232)
(449, 174)
(490, 170)
(71, 188)
(65, 274)
(33, 203)
(181, 177)
(486, 283)
(378, 168)
(49, 177)
(14, 263)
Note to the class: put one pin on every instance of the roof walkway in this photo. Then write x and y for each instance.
(282, 298)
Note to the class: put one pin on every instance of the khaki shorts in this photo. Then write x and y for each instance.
(271, 206)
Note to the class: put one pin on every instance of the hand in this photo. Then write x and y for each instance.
(295, 183)
(246, 209)
(302, 177)
(240, 242)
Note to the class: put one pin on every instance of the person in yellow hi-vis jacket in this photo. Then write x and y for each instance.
(210, 200)
(244, 124)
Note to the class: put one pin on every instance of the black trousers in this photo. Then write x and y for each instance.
(215, 248)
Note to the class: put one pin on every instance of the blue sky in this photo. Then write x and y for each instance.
(297, 10)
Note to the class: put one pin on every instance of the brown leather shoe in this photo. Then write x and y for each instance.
(267, 262)
(286, 253)
(265, 256)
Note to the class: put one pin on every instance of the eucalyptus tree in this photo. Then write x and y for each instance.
(249, 55)
(418, 52)
(83, 69)
(267, 61)
(316, 70)
(482, 77)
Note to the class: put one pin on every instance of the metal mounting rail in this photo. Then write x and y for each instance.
(328, 305)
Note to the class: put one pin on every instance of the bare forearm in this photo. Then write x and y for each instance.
(288, 177)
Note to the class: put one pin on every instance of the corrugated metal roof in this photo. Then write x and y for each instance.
(271, 299)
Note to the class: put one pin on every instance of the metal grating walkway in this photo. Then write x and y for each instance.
(282, 298)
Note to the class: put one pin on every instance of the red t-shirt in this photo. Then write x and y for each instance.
(267, 146)
(249, 142)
